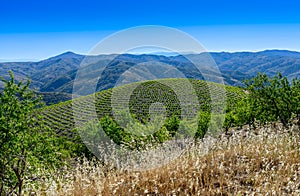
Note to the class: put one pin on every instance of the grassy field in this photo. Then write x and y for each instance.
(262, 161)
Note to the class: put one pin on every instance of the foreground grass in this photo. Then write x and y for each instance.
(264, 161)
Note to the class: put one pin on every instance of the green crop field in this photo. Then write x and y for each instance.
(59, 117)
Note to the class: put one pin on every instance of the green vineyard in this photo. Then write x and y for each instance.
(189, 97)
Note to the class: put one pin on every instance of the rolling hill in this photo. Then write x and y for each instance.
(60, 117)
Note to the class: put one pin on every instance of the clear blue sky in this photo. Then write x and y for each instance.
(39, 29)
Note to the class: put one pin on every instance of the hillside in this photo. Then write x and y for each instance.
(60, 118)
(57, 74)
(43, 71)
(269, 62)
(50, 98)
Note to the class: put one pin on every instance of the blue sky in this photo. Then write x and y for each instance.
(40, 29)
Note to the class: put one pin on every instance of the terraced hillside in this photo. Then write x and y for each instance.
(60, 117)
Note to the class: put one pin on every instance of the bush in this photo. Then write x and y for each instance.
(268, 99)
(149, 134)
(204, 119)
(172, 125)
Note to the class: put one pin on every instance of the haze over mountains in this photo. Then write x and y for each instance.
(57, 73)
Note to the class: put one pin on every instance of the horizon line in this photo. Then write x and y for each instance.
(157, 53)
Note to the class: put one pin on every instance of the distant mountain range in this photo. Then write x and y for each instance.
(57, 74)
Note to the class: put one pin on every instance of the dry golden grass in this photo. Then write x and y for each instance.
(249, 162)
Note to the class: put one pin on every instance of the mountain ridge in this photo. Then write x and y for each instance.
(57, 73)
(69, 53)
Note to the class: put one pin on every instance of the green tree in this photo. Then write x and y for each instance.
(24, 142)
(273, 98)
(245, 112)
(114, 131)
(204, 120)
(162, 135)
(296, 98)
(229, 121)
(172, 124)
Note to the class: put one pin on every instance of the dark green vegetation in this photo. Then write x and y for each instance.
(57, 74)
